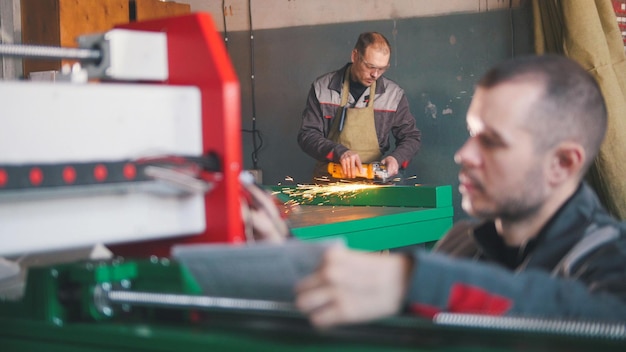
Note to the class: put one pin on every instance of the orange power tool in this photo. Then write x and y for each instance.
(372, 171)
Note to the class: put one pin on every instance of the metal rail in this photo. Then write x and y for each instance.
(49, 52)
(168, 300)
(593, 329)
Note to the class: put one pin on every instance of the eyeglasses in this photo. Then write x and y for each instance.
(371, 67)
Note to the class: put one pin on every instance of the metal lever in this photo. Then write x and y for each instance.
(178, 179)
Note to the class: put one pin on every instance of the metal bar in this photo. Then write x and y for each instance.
(168, 300)
(49, 52)
(604, 330)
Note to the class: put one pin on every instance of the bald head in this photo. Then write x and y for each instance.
(570, 108)
(374, 40)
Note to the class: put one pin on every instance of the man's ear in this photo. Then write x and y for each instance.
(354, 55)
(567, 161)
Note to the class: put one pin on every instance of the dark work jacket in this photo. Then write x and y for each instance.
(575, 268)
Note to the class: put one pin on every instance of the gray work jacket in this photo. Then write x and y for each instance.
(391, 115)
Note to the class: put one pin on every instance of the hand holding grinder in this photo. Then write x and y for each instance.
(372, 171)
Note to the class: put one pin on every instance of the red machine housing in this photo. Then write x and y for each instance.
(197, 57)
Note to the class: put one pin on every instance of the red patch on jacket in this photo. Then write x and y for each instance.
(330, 155)
(469, 299)
(328, 116)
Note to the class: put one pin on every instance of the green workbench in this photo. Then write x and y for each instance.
(372, 218)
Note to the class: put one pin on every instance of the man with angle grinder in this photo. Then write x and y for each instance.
(350, 114)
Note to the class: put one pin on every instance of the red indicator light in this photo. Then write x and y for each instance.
(100, 172)
(36, 176)
(69, 174)
(4, 178)
(130, 171)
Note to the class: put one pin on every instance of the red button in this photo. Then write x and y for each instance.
(69, 174)
(4, 178)
(130, 171)
(36, 176)
(100, 172)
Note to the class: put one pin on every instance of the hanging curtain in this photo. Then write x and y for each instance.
(587, 32)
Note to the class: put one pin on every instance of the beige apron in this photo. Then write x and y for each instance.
(359, 130)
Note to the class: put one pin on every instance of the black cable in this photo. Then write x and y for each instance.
(256, 135)
(254, 131)
(224, 21)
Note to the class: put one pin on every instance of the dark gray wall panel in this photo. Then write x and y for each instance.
(437, 61)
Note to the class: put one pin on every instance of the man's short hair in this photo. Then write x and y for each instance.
(571, 107)
(373, 39)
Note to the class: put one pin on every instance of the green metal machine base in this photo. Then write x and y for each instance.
(61, 312)
(62, 307)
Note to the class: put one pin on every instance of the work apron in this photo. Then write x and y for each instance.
(356, 130)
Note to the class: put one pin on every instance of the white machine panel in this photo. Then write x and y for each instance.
(57, 122)
(44, 122)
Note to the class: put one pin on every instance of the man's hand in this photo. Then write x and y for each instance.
(350, 164)
(391, 164)
(353, 287)
(262, 215)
